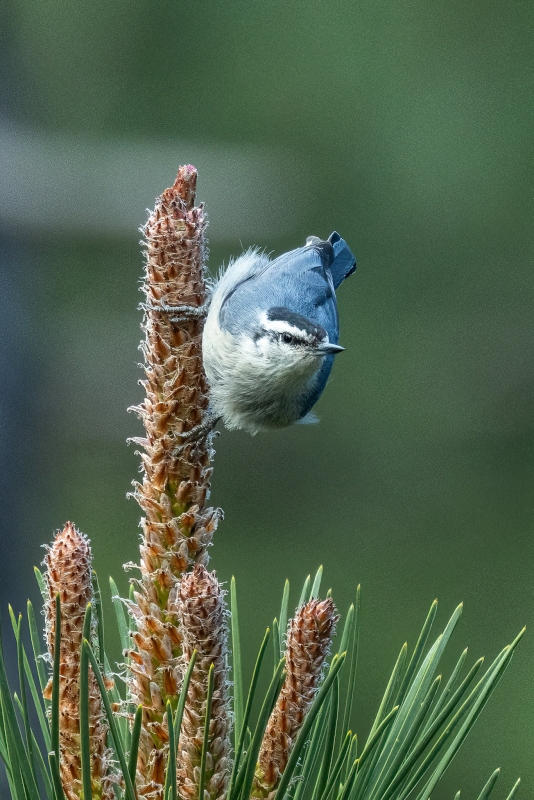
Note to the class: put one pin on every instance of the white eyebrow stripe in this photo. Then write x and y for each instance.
(282, 326)
(279, 326)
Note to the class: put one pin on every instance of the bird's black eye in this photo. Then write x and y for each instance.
(287, 338)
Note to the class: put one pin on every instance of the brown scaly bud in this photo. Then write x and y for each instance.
(177, 527)
(202, 615)
(68, 574)
(309, 636)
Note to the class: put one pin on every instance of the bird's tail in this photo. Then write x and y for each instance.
(344, 263)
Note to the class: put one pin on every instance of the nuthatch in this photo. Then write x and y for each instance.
(272, 332)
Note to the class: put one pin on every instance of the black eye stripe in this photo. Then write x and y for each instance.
(296, 341)
(279, 314)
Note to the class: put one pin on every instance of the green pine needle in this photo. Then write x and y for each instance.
(322, 694)
(120, 615)
(56, 777)
(36, 646)
(43, 771)
(21, 767)
(130, 792)
(205, 742)
(276, 644)
(352, 643)
(42, 584)
(391, 688)
(305, 594)
(250, 698)
(245, 776)
(488, 788)
(85, 740)
(177, 725)
(97, 597)
(134, 744)
(310, 755)
(329, 742)
(170, 783)
(418, 652)
(314, 594)
(54, 717)
(183, 697)
(338, 766)
(514, 789)
(237, 672)
(21, 659)
(283, 618)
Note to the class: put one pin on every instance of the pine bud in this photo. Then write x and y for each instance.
(177, 527)
(202, 615)
(68, 575)
(309, 636)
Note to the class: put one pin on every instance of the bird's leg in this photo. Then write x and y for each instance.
(198, 432)
(181, 313)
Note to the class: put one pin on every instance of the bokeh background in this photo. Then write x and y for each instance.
(407, 126)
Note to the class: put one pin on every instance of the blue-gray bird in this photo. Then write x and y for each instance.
(272, 332)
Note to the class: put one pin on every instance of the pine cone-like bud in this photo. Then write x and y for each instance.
(309, 636)
(68, 575)
(177, 527)
(202, 615)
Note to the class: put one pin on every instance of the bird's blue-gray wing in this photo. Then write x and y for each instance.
(299, 280)
(316, 390)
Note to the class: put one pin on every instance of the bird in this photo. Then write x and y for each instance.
(271, 334)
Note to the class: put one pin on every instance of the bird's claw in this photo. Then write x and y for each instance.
(205, 428)
(180, 313)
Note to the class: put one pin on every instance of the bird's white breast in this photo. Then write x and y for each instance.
(254, 385)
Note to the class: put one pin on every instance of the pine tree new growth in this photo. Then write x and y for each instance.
(177, 527)
(69, 575)
(202, 616)
(309, 636)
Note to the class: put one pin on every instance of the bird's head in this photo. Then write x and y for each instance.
(290, 339)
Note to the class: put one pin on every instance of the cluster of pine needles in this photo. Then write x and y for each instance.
(176, 720)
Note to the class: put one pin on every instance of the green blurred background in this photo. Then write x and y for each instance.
(407, 126)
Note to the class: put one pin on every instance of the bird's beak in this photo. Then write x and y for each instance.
(327, 349)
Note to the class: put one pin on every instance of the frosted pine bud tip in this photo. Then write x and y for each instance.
(186, 184)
